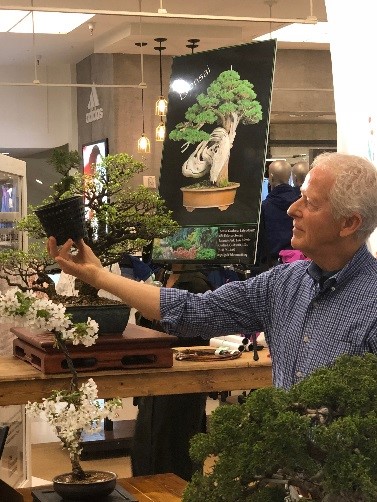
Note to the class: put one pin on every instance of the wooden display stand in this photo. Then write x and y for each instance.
(156, 488)
(136, 347)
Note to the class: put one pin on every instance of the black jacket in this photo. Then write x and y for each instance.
(277, 224)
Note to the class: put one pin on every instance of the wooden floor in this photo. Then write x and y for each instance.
(49, 460)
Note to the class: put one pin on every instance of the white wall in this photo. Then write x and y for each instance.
(38, 117)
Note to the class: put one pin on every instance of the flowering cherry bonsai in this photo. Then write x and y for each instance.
(75, 410)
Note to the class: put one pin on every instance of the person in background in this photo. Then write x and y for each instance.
(276, 225)
(299, 171)
(310, 311)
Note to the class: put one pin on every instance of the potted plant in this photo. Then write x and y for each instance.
(70, 411)
(227, 102)
(119, 219)
(317, 441)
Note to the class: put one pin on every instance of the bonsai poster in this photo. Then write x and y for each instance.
(214, 152)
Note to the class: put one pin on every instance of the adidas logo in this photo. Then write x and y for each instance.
(95, 113)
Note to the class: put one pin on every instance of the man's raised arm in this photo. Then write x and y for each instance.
(84, 265)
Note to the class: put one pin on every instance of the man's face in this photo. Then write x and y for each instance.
(315, 231)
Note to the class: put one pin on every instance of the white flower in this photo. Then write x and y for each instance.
(72, 414)
(27, 309)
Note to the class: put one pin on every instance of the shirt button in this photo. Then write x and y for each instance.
(298, 373)
(333, 288)
(306, 339)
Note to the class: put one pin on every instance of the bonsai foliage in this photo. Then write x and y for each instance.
(318, 440)
(70, 411)
(27, 270)
(64, 162)
(228, 101)
(120, 219)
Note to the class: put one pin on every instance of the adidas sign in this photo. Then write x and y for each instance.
(95, 112)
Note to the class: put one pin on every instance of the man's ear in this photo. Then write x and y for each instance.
(350, 225)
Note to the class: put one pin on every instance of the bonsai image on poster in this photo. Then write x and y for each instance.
(228, 101)
(225, 244)
(187, 244)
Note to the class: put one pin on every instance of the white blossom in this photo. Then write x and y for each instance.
(70, 412)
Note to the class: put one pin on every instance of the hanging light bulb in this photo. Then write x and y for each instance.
(160, 131)
(161, 106)
(161, 103)
(143, 144)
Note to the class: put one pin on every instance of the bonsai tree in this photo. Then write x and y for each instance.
(120, 219)
(27, 270)
(316, 442)
(228, 101)
(70, 411)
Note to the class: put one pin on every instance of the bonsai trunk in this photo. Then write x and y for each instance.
(223, 175)
(85, 289)
(77, 471)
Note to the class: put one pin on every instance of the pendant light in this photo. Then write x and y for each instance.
(193, 44)
(143, 144)
(160, 131)
(161, 103)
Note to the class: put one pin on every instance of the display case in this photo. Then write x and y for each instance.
(13, 202)
(13, 464)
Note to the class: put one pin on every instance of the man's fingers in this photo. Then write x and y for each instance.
(65, 250)
(52, 248)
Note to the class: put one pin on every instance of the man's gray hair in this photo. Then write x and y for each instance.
(354, 189)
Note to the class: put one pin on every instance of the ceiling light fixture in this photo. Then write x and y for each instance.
(193, 44)
(160, 131)
(143, 144)
(161, 10)
(53, 22)
(161, 104)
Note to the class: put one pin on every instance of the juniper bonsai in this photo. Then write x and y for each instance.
(318, 439)
(228, 101)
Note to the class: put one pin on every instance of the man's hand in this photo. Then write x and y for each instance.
(82, 263)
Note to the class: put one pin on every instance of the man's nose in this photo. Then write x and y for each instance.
(292, 210)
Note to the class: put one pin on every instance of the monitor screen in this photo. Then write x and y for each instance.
(93, 153)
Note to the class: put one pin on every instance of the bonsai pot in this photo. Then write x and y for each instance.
(111, 318)
(64, 219)
(198, 198)
(98, 485)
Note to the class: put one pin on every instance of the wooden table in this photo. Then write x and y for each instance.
(20, 382)
(157, 488)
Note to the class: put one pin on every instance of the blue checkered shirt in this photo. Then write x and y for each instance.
(307, 324)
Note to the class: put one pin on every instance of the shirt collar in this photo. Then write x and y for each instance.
(355, 262)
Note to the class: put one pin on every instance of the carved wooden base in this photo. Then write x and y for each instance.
(136, 347)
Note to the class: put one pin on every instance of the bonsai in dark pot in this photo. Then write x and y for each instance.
(119, 219)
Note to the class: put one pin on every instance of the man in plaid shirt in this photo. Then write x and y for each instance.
(311, 311)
